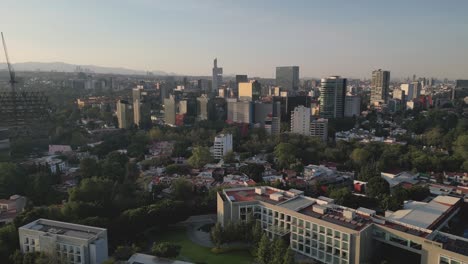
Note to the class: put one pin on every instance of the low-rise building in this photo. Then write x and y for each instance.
(77, 244)
(319, 229)
(10, 208)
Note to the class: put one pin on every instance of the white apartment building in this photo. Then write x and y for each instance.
(303, 123)
(72, 243)
(222, 145)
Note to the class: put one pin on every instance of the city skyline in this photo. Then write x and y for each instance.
(420, 37)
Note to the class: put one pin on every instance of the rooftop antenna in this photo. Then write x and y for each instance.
(10, 67)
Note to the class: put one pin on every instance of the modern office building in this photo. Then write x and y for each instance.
(72, 243)
(222, 145)
(303, 123)
(332, 97)
(319, 229)
(170, 110)
(124, 114)
(249, 91)
(217, 79)
(287, 78)
(352, 106)
(380, 86)
(239, 79)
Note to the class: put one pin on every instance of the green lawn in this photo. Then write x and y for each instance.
(198, 254)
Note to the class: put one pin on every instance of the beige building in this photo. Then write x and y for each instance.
(249, 91)
(124, 114)
(72, 243)
(323, 231)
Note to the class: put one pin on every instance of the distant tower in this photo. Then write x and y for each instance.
(332, 97)
(217, 76)
(379, 86)
(287, 78)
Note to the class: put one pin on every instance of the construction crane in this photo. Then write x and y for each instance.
(10, 67)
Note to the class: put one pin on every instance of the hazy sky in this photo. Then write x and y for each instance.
(348, 37)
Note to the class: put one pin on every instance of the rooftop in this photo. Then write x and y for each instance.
(50, 227)
(424, 215)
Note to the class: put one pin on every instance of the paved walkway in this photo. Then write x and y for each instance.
(193, 225)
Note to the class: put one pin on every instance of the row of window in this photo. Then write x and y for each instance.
(449, 260)
(69, 253)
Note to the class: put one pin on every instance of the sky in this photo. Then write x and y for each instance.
(328, 37)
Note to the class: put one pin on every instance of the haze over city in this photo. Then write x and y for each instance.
(349, 38)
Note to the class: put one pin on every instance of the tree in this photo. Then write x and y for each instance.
(182, 189)
(341, 195)
(279, 250)
(263, 251)
(230, 157)
(200, 157)
(253, 171)
(166, 250)
(289, 257)
(217, 235)
(89, 168)
(368, 172)
(114, 166)
(360, 156)
(377, 187)
(391, 203)
(460, 147)
(125, 252)
(285, 154)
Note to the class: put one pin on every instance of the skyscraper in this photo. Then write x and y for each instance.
(217, 76)
(170, 109)
(137, 95)
(379, 86)
(202, 107)
(352, 106)
(332, 97)
(249, 91)
(124, 114)
(287, 77)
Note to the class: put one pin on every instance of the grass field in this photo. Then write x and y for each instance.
(198, 254)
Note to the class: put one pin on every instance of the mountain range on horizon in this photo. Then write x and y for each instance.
(68, 67)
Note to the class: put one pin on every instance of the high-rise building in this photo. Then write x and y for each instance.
(222, 145)
(287, 78)
(249, 91)
(303, 123)
(204, 86)
(399, 94)
(380, 86)
(241, 78)
(217, 80)
(124, 114)
(300, 120)
(137, 96)
(332, 97)
(273, 120)
(352, 106)
(70, 242)
(202, 107)
(240, 111)
(170, 110)
(412, 90)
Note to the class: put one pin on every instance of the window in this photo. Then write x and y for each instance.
(322, 229)
(337, 234)
(344, 237)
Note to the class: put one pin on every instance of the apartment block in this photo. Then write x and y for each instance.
(319, 229)
(222, 145)
(71, 243)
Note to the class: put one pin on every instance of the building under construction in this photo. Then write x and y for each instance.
(22, 113)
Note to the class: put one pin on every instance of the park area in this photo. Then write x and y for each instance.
(196, 253)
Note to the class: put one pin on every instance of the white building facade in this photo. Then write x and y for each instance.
(222, 145)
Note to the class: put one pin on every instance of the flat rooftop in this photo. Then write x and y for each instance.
(249, 195)
(424, 215)
(50, 227)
